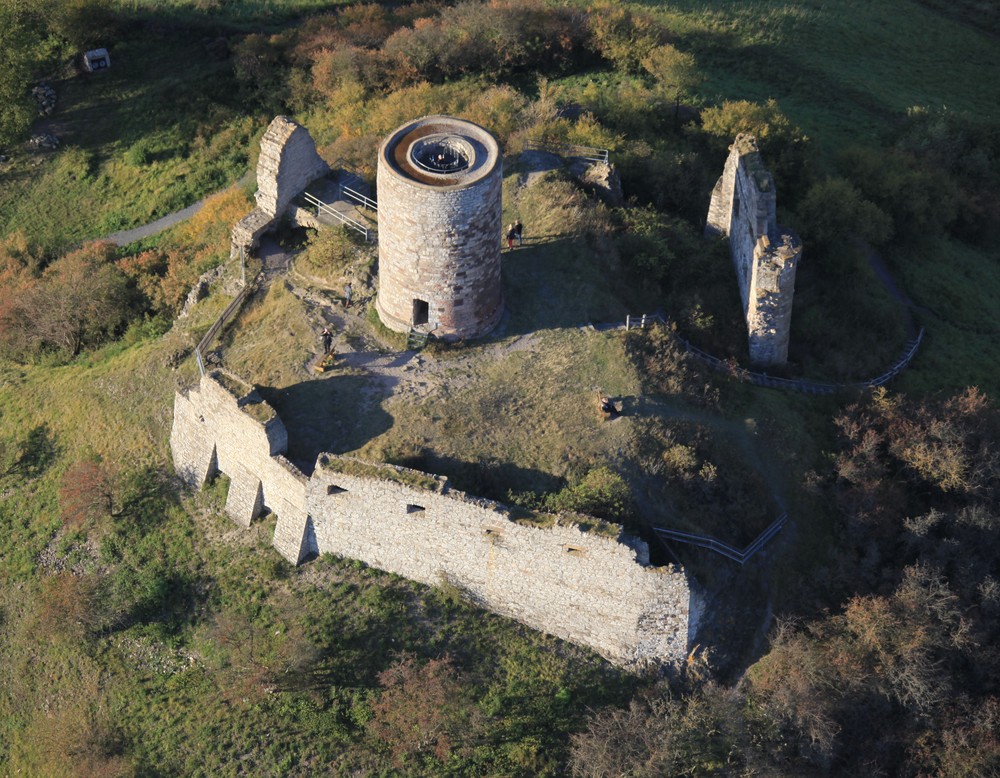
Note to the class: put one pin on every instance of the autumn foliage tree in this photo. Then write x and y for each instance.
(424, 710)
(77, 301)
(88, 492)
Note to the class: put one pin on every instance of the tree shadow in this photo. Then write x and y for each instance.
(34, 454)
(333, 415)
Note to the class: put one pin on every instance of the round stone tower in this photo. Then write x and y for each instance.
(439, 228)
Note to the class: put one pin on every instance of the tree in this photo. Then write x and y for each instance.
(676, 72)
(424, 710)
(834, 211)
(88, 492)
(79, 300)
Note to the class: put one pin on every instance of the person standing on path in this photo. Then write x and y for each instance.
(511, 234)
(348, 291)
(519, 232)
(327, 340)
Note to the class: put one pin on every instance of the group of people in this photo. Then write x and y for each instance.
(515, 231)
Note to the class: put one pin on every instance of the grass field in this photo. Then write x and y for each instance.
(128, 155)
(843, 71)
(164, 640)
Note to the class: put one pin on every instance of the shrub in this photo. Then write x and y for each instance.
(834, 211)
(424, 710)
(782, 145)
(79, 300)
(921, 199)
(623, 35)
(87, 492)
(602, 493)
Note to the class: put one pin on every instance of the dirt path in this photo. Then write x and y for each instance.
(534, 164)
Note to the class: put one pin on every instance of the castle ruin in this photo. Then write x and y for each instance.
(288, 163)
(588, 588)
(440, 220)
(765, 254)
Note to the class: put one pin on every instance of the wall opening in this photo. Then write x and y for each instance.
(420, 312)
(331, 489)
(411, 508)
(493, 534)
(574, 551)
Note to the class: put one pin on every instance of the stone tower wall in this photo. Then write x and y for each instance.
(586, 588)
(764, 254)
(439, 242)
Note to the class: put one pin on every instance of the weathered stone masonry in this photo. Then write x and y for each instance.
(288, 163)
(440, 221)
(764, 253)
(597, 591)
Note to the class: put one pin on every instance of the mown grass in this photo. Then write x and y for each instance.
(840, 70)
(129, 154)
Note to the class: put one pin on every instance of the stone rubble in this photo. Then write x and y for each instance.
(45, 97)
(43, 140)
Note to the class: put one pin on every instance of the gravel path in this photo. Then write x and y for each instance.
(125, 237)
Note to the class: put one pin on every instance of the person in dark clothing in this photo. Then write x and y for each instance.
(327, 340)
(519, 233)
(511, 234)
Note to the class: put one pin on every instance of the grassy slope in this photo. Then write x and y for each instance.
(128, 154)
(842, 71)
(846, 72)
(183, 720)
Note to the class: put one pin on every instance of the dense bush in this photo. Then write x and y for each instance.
(601, 493)
(784, 147)
(921, 200)
(833, 211)
(77, 301)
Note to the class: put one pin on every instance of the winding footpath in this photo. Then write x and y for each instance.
(124, 237)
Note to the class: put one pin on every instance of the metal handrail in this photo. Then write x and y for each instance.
(805, 385)
(346, 193)
(735, 554)
(235, 304)
(322, 207)
(589, 153)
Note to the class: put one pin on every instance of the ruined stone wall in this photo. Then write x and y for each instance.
(586, 588)
(765, 255)
(288, 163)
(439, 235)
(225, 426)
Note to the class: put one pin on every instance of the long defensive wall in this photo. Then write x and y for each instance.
(581, 586)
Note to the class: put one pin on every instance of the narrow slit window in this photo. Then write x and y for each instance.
(412, 508)
(332, 489)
